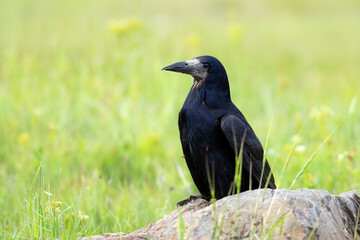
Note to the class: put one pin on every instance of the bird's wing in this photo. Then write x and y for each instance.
(238, 133)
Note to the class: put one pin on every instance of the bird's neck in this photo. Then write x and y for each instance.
(214, 97)
(217, 93)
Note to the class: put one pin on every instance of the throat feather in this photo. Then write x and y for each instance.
(197, 83)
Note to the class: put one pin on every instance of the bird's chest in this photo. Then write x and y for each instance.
(201, 125)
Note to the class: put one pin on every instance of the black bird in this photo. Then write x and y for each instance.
(213, 132)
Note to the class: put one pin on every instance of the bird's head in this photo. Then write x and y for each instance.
(205, 70)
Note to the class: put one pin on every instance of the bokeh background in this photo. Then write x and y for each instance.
(89, 140)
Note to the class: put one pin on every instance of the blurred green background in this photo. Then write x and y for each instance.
(89, 140)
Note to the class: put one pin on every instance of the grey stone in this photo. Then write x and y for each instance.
(270, 214)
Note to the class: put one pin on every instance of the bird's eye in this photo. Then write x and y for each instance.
(205, 65)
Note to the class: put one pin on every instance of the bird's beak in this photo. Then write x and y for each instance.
(192, 67)
(181, 67)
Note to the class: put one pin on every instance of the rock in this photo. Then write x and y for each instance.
(274, 214)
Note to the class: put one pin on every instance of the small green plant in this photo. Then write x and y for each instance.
(181, 225)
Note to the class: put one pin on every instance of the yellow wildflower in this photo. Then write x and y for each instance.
(122, 27)
(235, 33)
(23, 138)
(192, 40)
(310, 177)
(154, 138)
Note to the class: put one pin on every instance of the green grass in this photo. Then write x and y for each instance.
(88, 123)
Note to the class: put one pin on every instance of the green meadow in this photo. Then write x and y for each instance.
(89, 140)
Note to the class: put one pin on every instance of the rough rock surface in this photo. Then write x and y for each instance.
(274, 214)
